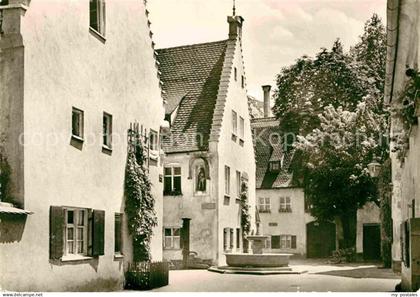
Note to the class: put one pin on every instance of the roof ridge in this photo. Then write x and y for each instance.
(192, 45)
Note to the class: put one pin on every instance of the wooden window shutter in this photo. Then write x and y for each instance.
(93, 10)
(57, 215)
(293, 241)
(275, 242)
(98, 232)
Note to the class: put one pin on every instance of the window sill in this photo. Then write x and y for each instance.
(226, 200)
(77, 138)
(106, 149)
(97, 35)
(118, 256)
(72, 258)
(173, 195)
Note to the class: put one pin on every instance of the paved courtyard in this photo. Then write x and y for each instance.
(318, 278)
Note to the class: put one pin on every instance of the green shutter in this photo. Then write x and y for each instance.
(275, 242)
(293, 241)
(98, 232)
(57, 214)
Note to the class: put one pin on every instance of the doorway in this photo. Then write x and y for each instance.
(320, 239)
(371, 242)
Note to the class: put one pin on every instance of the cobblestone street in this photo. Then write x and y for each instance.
(318, 278)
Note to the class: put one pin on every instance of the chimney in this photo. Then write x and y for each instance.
(235, 27)
(267, 110)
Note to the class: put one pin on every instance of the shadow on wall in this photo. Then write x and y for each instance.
(11, 227)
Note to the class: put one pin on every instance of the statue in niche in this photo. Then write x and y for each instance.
(201, 179)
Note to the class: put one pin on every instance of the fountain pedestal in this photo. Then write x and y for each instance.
(257, 243)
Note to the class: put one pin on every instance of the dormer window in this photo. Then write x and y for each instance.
(275, 166)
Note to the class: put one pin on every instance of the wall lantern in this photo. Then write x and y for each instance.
(374, 167)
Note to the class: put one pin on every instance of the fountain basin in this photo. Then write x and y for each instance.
(257, 260)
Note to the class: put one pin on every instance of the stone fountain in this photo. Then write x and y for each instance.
(256, 262)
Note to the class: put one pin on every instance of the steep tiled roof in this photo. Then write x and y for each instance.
(256, 107)
(266, 151)
(191, 78)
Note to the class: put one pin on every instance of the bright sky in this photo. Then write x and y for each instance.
(275, 34)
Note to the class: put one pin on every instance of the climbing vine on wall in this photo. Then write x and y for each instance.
(139, 204)
(4, 179)
(245, 216)
(406, 112)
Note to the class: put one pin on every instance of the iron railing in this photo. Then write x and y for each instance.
(147, 275)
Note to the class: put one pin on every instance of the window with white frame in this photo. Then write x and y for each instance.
(285, 204)
(287, 241)
(153, 140)
(238, 184)
(77, 122)
(76, 232)
(234, 123)
(275, 166)
(172, 181)
(107, 130)
(241, 128)
(172, 238)
(97, 16)
(227, 180)
(284, 241)
(264, 204)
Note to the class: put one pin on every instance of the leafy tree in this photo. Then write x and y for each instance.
(305, 88)
(334, 165)
(369, 58)
(333, 103)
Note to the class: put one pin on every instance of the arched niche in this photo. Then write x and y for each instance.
(194, 161)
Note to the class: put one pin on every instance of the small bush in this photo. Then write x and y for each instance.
(347, 255)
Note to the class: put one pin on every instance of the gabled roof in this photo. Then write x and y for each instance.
(191, 78)
(256, 107)
(266, 152)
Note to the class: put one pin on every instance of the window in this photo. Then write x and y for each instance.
(172, 238)
(238, 238)
(275, 166)
(153, 140)
(235, 70)
(226, 238)
(118, 233)
(76, 232)
(227, 180)
(107, 130)
(243, 81)
(283, 242)
(231, 239)
(238, 184)
(172, 181)
(241, 128)
(97, 16)
(268, 243)
(264, 205)
(285, 204)
(234, 123)
(77, 123)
